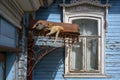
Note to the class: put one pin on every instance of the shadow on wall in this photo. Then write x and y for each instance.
(50, 67)
(10, 66)
(114, 7)
(51, 13)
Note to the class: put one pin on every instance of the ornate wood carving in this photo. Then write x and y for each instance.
(95, 1)
(84, 9)
(86, 6)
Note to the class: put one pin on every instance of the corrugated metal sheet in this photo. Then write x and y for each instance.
(52, 66)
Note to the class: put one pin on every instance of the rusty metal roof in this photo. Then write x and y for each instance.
(68, 27)
(70, 31)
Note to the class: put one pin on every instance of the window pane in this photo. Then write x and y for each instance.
(87, 26)
(92, 54)
(76, 57)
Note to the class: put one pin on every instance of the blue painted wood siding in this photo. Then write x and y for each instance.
(1, 70)
(51, 67)
(11, 69)
(11, 66)
(113, 41)
(52, 13)
(8, 34)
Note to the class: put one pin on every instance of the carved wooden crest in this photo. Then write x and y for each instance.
(86, 6)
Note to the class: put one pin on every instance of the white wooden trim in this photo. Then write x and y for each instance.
(16, 69)
(85, 76)
(103, 46)
(66, 59)
(101, 32)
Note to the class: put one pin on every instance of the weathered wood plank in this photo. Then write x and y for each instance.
(6, 41)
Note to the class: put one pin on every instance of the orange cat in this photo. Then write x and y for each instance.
(54, 29)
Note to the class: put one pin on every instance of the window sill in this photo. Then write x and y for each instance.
(85, 76)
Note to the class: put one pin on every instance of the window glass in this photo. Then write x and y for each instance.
(84, 54)
(88, 27)
(92, 54)
(76, 56)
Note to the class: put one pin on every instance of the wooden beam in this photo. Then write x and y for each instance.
(8, 49)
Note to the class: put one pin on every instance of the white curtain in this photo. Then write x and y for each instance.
(92, 57)
(77, 56)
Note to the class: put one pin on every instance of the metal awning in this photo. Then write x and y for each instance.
(72, 29)
(37, 51)
(70, 32)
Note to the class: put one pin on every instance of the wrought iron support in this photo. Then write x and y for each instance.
(35, 56)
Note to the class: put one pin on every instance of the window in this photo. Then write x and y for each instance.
(84, 54)
(86, 57)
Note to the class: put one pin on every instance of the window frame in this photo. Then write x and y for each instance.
(101, 57)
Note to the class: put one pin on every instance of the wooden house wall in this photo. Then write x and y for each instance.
(11, 67)
(1, 70)
(8, 38)
(51, 67)
(113, 41)
(8, 34)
